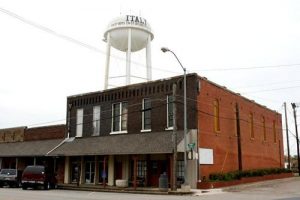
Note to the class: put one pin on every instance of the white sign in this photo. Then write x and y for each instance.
(206, 156)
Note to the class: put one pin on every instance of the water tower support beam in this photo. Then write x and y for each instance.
(107, 61)
(148, 59)
(128, 59)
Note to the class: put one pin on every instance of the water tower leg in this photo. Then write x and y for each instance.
(107, 62)
(128, 58)
(148, 59)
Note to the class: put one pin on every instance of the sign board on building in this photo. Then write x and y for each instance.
(206, 156)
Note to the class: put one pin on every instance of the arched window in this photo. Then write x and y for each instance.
(216, 115)
(274, 131)
(264, 128)
(251, 123)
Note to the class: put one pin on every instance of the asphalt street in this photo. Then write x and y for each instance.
(287, 189)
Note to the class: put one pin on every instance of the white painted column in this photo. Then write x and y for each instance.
(82, 171)
(128, 58)
(148, 59)
(111, 170)
(108, 46)
(96, 173)
(67, 170)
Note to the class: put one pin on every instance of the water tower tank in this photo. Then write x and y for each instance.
(128, 34)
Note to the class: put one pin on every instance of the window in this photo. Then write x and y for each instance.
(141, 168)
(79, 122)
(96, 120)
(170, 111)
(264, 128)
(180, 169)
(274, 131)
(146, 114)
(90, 172)
(216, 115)
(119, 118)
(251, 125)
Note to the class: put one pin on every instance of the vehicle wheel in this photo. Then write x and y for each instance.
(24, 187)
(47, 186)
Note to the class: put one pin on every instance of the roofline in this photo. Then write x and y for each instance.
(174, 77)
(236, 93)
(128, 86)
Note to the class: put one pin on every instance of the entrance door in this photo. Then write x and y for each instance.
(75, 170)
(118, 169)
(89, 172)
(157, 167)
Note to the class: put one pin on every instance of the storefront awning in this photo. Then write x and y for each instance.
(141, 143)
(28, 148)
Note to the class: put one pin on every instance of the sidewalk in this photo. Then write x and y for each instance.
(138, 190)
(242, 187)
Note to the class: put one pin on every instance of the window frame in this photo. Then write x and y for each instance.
(264, 129)
(123, 116)
(96, 121)
(168, 116)
(79, 122)
(274, 131)
(217, 126)
(143, 115)
(251, 126)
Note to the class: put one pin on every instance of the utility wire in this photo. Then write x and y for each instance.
(248, 68)
(75, 41)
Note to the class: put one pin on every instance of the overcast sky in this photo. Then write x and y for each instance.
(53, 48)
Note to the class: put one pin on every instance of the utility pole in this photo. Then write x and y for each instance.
(297, 138)
(238, 130)
(287, 137)
(174, 184)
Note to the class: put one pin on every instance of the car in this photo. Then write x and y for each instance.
(10, 177)
(35, 176)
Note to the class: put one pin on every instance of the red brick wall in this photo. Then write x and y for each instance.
(45, 133)
(256, 153)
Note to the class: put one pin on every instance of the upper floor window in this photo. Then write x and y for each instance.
(274, 131)
(119, 117)
(146, 114)
(79, 122)
(251, 125)
(96, 120)
(264, 128)
(170, 111)
(217, 115)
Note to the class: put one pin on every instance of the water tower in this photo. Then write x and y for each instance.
(128, 34)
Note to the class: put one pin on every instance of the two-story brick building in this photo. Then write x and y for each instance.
(126, 133)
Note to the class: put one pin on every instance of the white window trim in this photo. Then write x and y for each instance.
(145, 130)
(120, 119)
(143, 117)
(81, 133)
(97, 120)
(168, 127)
(118, 132)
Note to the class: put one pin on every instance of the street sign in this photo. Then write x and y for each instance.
(191, 146)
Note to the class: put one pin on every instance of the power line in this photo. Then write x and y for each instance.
(75, 41)
(270, 90)
(248, 68)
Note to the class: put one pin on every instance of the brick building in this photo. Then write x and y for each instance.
(126, 133)
(22, 146)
